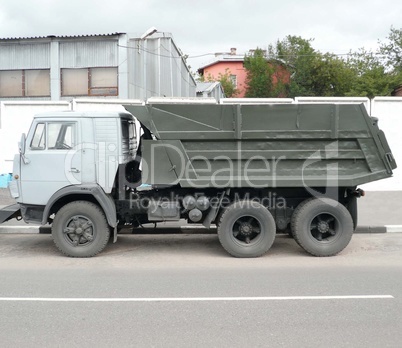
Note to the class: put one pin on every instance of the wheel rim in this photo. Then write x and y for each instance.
(79, 231)
(246, 230)
(324, 228)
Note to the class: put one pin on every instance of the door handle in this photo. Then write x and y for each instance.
(74, 170)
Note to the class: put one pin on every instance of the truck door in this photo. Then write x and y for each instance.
(51, 160)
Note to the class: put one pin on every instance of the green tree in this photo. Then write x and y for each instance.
(225, 79)
(312, 73)
(260, 76)
(227, 84)
(392, 50)
(371, 77)
(299, 56)
(330, 76)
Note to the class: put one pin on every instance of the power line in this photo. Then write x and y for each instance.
(228, 54)
(139, 48)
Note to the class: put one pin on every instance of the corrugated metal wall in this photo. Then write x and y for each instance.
(156, 68)
(155, 65)
(83, 54)
(166, 63)
(152, 67)
(25, 56)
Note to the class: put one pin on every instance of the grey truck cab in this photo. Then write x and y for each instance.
(68, 151)
(251, 170)
(67, 156)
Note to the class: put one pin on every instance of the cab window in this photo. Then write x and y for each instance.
(39, 138)
(129, 136)
(61, 135)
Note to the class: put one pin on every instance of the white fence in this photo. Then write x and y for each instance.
(16, 117)
(389, 112)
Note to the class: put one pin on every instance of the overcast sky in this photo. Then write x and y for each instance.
(201, 27)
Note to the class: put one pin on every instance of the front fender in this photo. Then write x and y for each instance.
(105, 201)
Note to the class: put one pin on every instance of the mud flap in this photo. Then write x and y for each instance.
(10, 212)
(115, 235)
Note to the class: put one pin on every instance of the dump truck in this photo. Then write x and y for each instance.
(251, 170)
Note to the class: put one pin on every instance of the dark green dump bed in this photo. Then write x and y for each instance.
(276, 145)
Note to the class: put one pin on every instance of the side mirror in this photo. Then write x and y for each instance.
(22, 143)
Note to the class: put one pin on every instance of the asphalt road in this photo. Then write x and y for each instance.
(185, 291)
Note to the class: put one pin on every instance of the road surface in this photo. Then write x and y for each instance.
(185, 291)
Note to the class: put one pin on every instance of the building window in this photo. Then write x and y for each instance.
(25, 83)
(103, 81)
(11, 83)
(89, 81)
(37, 83)
(233, 78)
(74, 82)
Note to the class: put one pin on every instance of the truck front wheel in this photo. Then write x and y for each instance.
(322, 227)
(246, 229)
(80, 229)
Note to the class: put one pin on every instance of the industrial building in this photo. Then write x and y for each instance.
(119, 65)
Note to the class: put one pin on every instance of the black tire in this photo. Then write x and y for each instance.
(293, 218)
(80, 229)
(322, 227)
(246, 229)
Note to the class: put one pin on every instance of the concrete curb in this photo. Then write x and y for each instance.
(394, 228)
(379, 229)
(25, 230)
(371, 229)
(188, 229)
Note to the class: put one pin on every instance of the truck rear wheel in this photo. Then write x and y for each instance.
(322, 227)
(80, 229)
(293, 218)
(246, 229)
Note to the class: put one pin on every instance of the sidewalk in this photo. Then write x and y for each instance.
(379, 212)
(5, 198)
